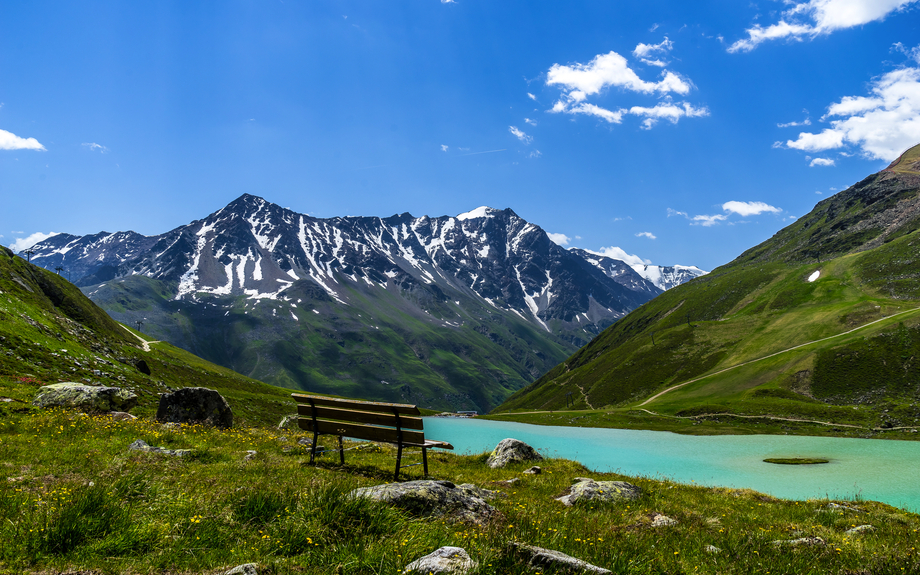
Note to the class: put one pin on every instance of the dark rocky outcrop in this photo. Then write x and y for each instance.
(447, 560)
(512, 451)
(434, 499)
(590, 490)
(556, 561)
(89, 398)
(195, 405)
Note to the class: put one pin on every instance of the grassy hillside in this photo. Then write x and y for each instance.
(717, 335)
(92, 506)
(50, 332)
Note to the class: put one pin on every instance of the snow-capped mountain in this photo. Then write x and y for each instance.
(447, 311)
(666, 277)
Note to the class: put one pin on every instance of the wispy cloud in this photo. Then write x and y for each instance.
(805, 122)
(667, 111)
(559, 239)
(881, 125)
(444, 147)
(821, 162)
(94, 147)
(20, 244)
(531, 122)
(819, 17)
(520, 135)
(743, 209)
(10, 141)
(535, 154)
(644, 52)
(486, 152)
(648, 235)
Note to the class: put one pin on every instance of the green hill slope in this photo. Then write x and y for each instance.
(850, 264)
(50, 332)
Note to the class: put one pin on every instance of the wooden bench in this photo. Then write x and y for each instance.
(396, 423)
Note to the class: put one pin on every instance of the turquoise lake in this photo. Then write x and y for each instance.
(880, 470)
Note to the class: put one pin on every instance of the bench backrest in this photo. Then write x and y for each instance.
(373, 421)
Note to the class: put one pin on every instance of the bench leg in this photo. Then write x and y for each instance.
(341, 450)
(313, 447)
(398, 462)
(425, 460)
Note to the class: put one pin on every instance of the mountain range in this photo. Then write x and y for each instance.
(447, 312)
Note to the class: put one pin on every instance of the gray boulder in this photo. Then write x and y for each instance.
(452, 560)
(141, 445)
(512, 451)
(428, 498)
(90, 398)
(590, 490)
(558, 562)
(810, 541)
(660, 520)
(860, 529)
(195, 405)
(245, 569)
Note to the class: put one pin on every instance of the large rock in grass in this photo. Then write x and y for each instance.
(590, 490)
(195, 405)
(446, 560)
(556, 561)
(512, 451)
(90, 398)
(434, 499)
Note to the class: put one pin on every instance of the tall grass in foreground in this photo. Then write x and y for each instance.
(73, 497)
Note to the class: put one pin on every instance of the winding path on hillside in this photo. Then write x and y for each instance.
(672, 388)
(145, 345)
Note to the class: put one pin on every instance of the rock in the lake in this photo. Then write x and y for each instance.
(860, 529)
(428, 498)
(195, 405)
(535, 470)
(540, 558)
(590, 490)
(90, 398)
(141, 445)
(512, 451)
(448, 560)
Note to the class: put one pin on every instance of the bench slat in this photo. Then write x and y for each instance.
(375, 406)
(361, 417)
(367, 432)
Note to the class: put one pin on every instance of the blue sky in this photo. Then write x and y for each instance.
(678, 132)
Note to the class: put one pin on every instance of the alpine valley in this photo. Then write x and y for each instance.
(448, 312)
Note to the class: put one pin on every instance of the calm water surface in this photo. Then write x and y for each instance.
(880, 470)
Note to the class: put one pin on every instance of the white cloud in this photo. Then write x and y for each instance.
(676, 213)
(821, 162)
(646, 50)
(520, 135)
(912, 53)
(531, 122)
(611, 69)
(618, 254)
(94, 147)
(535, 154)
(659, 63)
(581, 81)
(531, 96)
(707, 221)
(881, 125)
(805, 122)
(559, 239)
(648, 235)
(745, 209)
(667, 111)
(444, 147)
(20, 244)
(448, 2)
(818, 17)
(10, 141)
